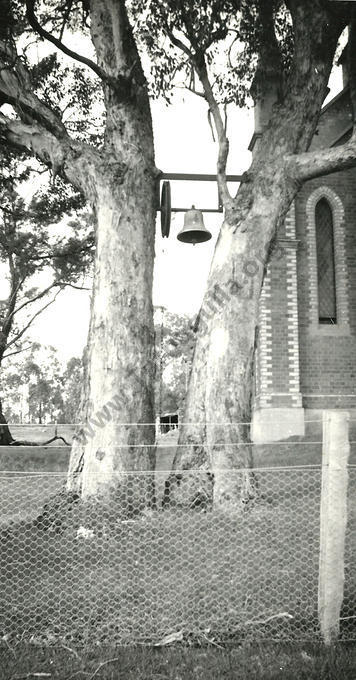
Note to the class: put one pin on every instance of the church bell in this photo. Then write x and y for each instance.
(194, 230)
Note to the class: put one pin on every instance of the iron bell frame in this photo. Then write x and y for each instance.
(164, 195)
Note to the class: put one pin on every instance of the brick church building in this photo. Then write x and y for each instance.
(306, 355)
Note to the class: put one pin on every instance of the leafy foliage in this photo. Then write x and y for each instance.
(66, 87)
(30, 245)
(72, 379)
(73, 93)
(31, 386)
(36, 388)
(228, 36)
(175, 341)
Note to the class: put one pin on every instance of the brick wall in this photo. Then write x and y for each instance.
(328, 353)
(278, 351)
(300, 362)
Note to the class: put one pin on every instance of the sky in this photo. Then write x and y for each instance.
(183, 143)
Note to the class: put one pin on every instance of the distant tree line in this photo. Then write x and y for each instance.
(36, 388)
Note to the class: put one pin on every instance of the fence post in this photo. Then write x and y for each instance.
(333, 519)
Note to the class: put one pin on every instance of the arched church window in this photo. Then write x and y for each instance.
(325, 262)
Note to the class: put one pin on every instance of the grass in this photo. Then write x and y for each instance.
(247, 662)
(201, 574)
(218, 584)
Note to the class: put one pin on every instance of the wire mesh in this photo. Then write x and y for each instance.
(348, 610)
(128, 570)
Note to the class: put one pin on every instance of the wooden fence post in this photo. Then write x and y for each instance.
(333, 519)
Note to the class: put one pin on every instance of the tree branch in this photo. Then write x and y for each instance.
(19, 335)
(316, 27)
(192, 90)
(37, 297)
(16, 89)
(34, 23)
(24, 349)
(14, 293)
(65, 18)
(198, 63)
(220, 127)
(58, 153)
(33, 138)
(351, 58)
(15, 288)
(178, 43)
(61, 284)
(71, 285)
(292, 123)
(114, 43)
(309, 165)
(38, 129)
(269, 65)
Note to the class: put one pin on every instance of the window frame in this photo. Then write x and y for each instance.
(319, 232)
(342, 325)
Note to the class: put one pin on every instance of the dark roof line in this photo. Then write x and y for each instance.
(334, 100)
(344, 55)
(348, 127)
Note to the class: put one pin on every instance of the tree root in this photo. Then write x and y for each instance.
(16, 442)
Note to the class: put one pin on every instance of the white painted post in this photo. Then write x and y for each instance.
(333, 519)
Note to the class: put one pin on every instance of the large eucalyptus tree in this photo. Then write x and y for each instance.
(288, 47)
(284, 49)
(51, 109)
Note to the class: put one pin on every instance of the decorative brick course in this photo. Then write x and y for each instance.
(301, 363)
(263, 383)
(277, 382)
(328, 352)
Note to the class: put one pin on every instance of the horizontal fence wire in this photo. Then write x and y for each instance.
(53, 424)
(161, 444)
(231, 556)
(199, 471)
(176, 446)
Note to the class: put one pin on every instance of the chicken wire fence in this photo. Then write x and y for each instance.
(128, 572)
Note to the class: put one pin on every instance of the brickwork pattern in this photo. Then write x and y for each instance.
(278, 384)
(300, 355)
(264, 351)
(328, 352)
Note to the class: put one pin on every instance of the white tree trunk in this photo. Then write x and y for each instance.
(218, 408)
(118, 433)
(216, 436)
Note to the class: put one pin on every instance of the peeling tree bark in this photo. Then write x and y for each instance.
(121, 342)
(215, 436)
(117, 432)
(218, 407)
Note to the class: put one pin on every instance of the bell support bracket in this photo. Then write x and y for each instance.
(165, 209)
(164, 201)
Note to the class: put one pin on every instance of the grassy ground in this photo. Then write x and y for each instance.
(206, 579)
(200, 575)
(277, 662)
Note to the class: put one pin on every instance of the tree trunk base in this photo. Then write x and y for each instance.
(69, 510)
(189, 489)
(6, 438)
(230, 491)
